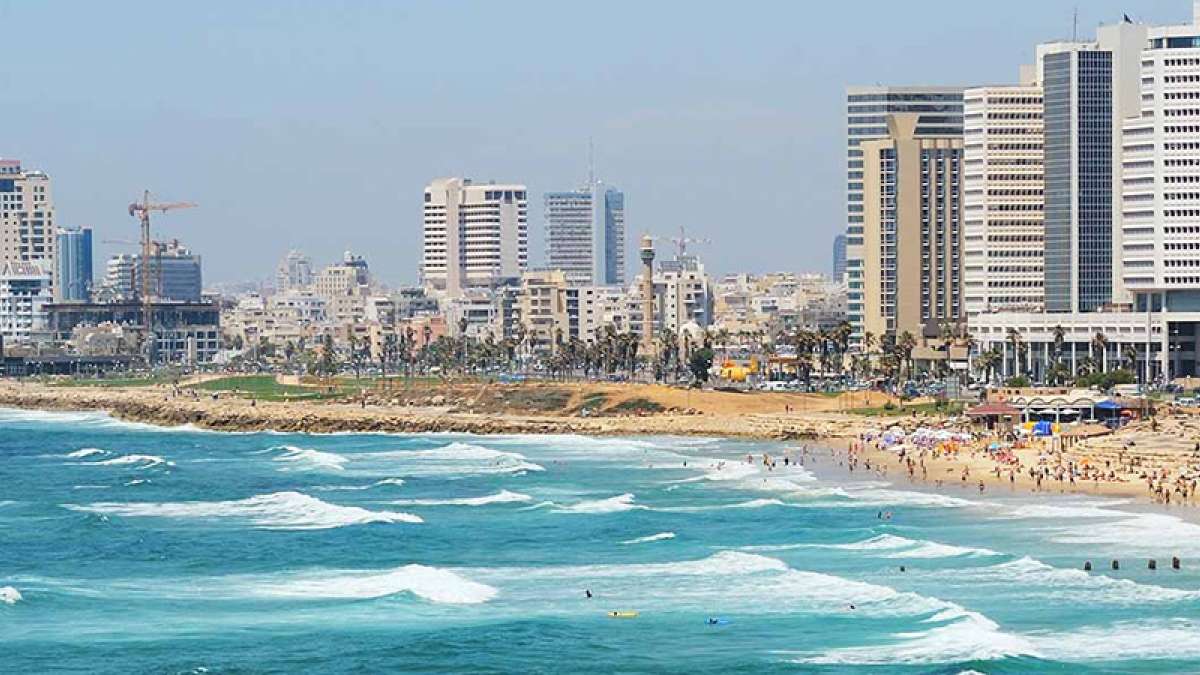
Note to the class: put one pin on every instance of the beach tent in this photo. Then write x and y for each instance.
(1043, 428)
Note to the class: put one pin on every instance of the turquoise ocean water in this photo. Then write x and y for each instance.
(128, 549)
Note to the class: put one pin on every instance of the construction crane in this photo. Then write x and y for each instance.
(142, 210)
(681, 242)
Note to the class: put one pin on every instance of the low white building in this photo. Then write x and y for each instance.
(25, 290)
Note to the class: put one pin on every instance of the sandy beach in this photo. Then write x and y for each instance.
(1150, 462)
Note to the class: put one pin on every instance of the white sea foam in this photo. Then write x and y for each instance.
(892, 546)
(1064, 511)
(278, 510)
(142, 461)
(396, 482)
(1046, 581)
(963, 636)
(897, 498)
(10, 595)
(727, 471)
(501, 497)
(611, 505)
(661, 536)
(430, 583)
(1158, 639)
(137, 481)
(86, 452)
(748, 504)
(450, 460)
(1152, 534)
(310, 459)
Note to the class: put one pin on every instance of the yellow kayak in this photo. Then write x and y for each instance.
(623, 615)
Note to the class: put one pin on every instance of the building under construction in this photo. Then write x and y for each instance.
(185, 332)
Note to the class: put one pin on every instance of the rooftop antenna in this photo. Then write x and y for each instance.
(1075, 25)
(591, 164)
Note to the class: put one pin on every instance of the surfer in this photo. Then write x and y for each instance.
(588, 591)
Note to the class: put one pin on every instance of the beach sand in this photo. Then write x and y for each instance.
(1143, 448)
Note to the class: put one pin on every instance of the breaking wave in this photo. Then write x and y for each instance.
(10, 595)
(661, 536)
(278, 511)
(450, 460)
(142, 461)
(309, 459)
(86, 452)
(429, 583)
(501, 497)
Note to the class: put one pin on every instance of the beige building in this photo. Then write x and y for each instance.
(27, 224)
(912, 235)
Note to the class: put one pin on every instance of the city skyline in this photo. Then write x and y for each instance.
(718, 136)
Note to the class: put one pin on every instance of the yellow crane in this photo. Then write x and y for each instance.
(142, 211)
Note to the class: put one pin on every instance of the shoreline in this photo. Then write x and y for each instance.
(838, 432)
(153, 405)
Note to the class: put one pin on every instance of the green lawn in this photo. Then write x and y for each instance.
(111, 381)
(919, 408)
(266, 388)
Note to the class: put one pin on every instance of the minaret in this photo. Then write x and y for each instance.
(647, 254)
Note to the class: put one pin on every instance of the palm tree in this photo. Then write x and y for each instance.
(989, 361)
(1100, 346)
(1015, 341)
(906, 342)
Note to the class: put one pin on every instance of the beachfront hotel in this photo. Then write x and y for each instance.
(940, 113)
(1003, 199)
(474, 235)
(911, 256)
(1136, 89)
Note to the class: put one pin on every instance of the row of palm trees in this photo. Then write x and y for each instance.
(1059, 370)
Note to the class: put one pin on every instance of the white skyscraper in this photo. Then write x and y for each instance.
(474, 235)
(27, 225)
(1003, 201)
(585, 234)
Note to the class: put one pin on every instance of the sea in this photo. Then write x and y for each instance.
(128, 548)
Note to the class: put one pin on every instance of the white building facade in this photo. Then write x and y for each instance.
(25, 290)
(475, 235)
(1003, 200)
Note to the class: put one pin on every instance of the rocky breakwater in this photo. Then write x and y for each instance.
(154, 405)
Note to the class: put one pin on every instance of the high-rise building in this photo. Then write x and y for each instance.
(1161, 172)
(912, 235)
(174, 271)
(839, 257)
(74, 265)
(474, 235)
(585, 234)
(1002, 199)
(27, 225)
(294, 272)
(939, 110)
(1089, 89)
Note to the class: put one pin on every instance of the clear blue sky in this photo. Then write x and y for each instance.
(316, 125)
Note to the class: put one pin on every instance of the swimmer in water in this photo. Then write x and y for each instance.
(588, 591)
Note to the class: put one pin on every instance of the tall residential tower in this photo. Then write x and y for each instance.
(912, 233)
(585, 234)
(939, 112)
(474, 234)
(27, 225)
